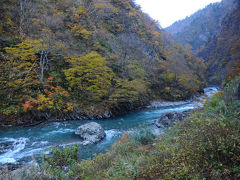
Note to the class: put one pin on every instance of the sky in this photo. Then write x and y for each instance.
(166, 12)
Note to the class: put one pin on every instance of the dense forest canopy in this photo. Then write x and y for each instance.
(61, 58)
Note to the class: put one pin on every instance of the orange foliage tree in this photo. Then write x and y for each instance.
(54, 98)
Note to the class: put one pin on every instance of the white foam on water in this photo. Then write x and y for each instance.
(18, 145)
(2, 140)
(40, 143)
(71, 144)
(111, 133)
(44, 142)
(31, 152)
(208, 92)
(176, 109)
(159, 104)
(60, 131)
(211, 91)
(7, 160)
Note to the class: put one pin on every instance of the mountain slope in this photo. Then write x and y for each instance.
(94, 58)
(199, 27)
(213, 33)
(222, 52)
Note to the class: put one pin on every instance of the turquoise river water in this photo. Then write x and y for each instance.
(32, 141)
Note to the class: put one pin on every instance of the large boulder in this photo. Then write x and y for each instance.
(166, 120)
(91, 133)
(163, 122)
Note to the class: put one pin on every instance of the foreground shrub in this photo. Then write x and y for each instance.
(231, 91)
(60, 163)
(199, 148)
(207, 145)
(144, 137)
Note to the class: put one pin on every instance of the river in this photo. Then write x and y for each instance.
(25, 143)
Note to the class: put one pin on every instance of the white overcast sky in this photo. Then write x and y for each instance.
(167, 12)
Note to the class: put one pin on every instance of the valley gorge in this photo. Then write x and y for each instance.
(97, 89)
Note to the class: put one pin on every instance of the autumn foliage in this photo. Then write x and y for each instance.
(88, 57)
(54, 98)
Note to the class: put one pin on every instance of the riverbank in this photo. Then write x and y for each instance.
(203, 146)
(31, 120)
(32, 141)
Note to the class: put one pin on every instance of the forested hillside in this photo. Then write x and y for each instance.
(196, 29)
(213, 34)
(87, 58)
(222, 52)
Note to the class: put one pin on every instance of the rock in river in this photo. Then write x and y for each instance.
(168, 119)
(91, 133)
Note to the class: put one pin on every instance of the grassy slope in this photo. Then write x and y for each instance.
(206, 145)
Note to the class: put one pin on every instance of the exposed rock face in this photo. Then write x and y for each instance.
(168, 119)
(91, 133)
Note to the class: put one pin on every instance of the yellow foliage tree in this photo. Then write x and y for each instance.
(23, 64)
(78, 31)
(89, 76)
(128, 91)
(134, 70)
